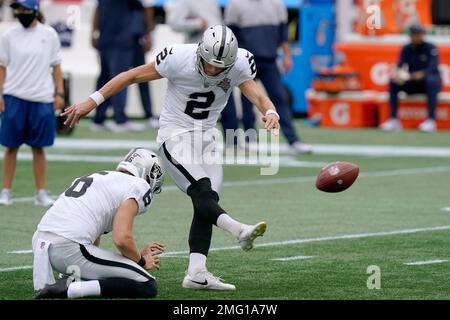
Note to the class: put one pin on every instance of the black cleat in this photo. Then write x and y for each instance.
(58, 290)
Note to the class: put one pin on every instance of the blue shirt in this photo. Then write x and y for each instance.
(424, 57)
(117, 23)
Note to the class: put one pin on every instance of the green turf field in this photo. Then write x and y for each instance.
(393, 215)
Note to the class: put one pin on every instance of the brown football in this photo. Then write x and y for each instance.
(337, 176)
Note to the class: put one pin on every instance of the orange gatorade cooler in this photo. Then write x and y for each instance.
(346, 109)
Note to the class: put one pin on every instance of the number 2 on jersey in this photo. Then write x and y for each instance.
(201, 100)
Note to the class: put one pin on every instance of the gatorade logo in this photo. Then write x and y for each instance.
(380, 73)
(340, 113)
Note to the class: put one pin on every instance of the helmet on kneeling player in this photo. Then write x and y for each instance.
(145, 164)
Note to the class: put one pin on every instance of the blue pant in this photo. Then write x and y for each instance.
(229, 118)
(33, 123)
(113, 61)
(270, 76)
(431, 86)
(144, 89)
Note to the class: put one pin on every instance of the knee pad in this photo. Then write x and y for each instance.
(148, 289)
(205, 200)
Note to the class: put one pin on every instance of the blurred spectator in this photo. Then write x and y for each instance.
(261, 27)
(31, 88)
(143, 25)
(192, 17)
(1, 10)
(115, 38)
(417, 72)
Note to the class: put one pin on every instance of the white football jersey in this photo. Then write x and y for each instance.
(189, 104)
(87, 209)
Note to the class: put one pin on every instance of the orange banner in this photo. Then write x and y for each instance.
(394, 16)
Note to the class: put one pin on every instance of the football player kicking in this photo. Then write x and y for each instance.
(68, 236)
(201, 78)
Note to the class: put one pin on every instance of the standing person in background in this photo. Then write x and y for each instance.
(421, 60)
(31, 89)
(192, 17)
(115, 41)
(143, 25)
(261, 27)
(1, 10)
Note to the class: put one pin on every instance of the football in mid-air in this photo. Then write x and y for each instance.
(337, 176)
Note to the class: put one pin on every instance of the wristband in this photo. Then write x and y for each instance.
(271, 111)
(97, 97)
(141, 262)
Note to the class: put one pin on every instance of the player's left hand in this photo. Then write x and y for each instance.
(77, 111)
(271, 122)
(59, 103)
(146, 43)
(287, 64)
(153, 248)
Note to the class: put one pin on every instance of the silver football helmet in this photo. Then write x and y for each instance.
(144, 164)
(219, 48)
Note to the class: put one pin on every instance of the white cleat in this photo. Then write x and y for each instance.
(392, 124)
(206, 281)
(43, 199)
(153, 123)
(5, 197)
(250, 233)
(300, 148)
(124, 127)
(96, 127)
(428, 125)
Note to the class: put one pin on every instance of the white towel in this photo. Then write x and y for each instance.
(42, 268)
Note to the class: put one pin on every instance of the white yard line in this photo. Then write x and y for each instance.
(292, 258)
(252, 160)
(20, 251)
(338, 149)
(446, 209)
(300, 241)
(337, 237)
(421, 263)
(273, 181)
(15, 268)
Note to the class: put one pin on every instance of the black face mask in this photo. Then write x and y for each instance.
(26, 19)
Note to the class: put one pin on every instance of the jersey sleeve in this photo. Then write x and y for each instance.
(4, 51)
(164, 62)
(142, 194)
(246, 66)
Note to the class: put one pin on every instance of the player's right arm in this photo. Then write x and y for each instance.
(123, 236)
(2, 81)
(4, 60)
(121, 81)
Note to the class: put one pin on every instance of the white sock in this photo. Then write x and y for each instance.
(227, 223)
(197, 262)
(80, 289)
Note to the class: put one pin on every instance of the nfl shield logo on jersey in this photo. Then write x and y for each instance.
(225, 84)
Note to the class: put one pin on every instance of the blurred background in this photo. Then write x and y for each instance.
(341, 64)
